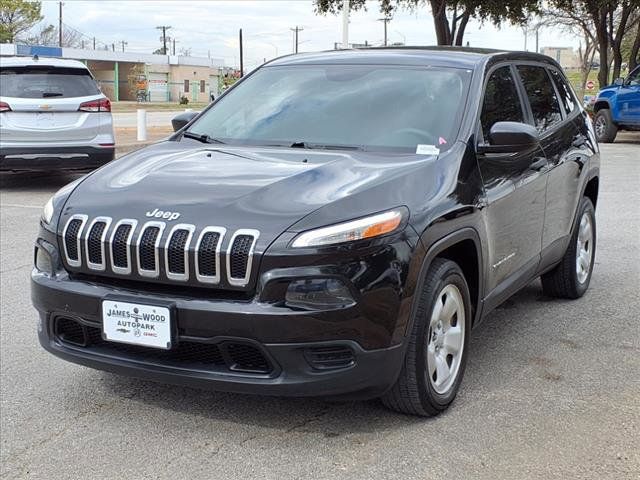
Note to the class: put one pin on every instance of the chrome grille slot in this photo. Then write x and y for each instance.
(71, 236)
(207, 254)
(148, 243)
(240, 256)
(94, 242)
(176, 252)
(121, 240)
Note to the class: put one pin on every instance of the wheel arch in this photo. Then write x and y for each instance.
(463, 247)
(601, 104)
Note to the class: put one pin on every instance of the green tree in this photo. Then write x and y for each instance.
(450, 17)
(16, 17)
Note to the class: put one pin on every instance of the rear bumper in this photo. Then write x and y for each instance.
(54, 158)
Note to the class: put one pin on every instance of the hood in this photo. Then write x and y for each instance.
(263, 188)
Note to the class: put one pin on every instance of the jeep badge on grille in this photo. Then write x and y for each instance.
(167, 215)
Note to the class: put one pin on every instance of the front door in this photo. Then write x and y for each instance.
(515, 186)
(629, 99)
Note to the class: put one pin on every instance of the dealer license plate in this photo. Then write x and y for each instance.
(136, 324)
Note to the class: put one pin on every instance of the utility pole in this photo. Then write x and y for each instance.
(295, 32)
(123, 44)
(94, 43)
(113, 47)
(174, 46)
(164, 29)
(60, 24)
(241, 58)
(385, 20)
(345, 23)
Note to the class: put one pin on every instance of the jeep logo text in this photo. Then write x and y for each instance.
(163, 214)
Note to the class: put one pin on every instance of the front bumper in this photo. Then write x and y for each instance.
(287, 340)
(54, 158)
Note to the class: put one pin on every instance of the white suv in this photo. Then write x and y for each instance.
(52, 116)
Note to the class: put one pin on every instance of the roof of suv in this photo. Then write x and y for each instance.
(463, 57)
(47, 62)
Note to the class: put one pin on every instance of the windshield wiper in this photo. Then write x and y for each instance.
(201, 137)
(322, 146)
(50, 94)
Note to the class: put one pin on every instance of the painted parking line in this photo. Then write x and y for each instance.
(18, 205)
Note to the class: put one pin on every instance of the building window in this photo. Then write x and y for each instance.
(186, 86)
(202, 85)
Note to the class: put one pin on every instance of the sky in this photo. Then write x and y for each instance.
(211, 27)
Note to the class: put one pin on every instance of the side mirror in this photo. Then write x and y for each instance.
(179, 121)
(510, 137)
(618, 81)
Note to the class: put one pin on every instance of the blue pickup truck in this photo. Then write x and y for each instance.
(618, 107)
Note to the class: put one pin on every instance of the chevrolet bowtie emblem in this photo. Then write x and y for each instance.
(45, 107)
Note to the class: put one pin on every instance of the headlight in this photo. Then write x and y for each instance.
(367, 227)
(57, 201)
(47, 213)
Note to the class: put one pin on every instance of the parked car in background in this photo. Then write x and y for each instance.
(333, 225)
(618, 107)
(53, 116)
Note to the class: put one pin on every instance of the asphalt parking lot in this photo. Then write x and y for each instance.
(552, 389)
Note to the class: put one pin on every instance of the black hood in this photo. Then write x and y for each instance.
(263, 188)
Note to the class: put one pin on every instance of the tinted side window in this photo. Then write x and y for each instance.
(634, 78)
(501, 101)
(566, 95)
(542, 97)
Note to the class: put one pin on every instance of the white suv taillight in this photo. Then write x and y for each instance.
(4, 107)
(102, 105)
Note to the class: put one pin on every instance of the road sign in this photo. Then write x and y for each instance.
(590, 85)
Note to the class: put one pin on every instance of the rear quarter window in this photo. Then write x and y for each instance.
(46, 82)
(566, 94)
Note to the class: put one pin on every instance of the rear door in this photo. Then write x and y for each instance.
(515, 187)
(554, 110)
(44, 102)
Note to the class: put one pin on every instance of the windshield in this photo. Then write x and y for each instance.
(371, 107)
(46, 82)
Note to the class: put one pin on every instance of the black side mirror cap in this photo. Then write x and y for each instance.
(510, 137)
(180, 121)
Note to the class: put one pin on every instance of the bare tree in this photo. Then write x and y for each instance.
(575, 22)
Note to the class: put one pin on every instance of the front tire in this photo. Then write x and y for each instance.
(606, 130)
(437, 352)
(570, 279)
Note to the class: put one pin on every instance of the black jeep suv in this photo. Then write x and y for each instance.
(335, 224)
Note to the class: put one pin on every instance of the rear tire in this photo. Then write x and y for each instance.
(570, 279)
(437, 351)
(606, 130)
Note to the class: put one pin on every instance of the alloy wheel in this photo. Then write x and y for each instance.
(584, 248)
(446, 339)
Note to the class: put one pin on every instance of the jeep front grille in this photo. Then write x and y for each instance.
(124, 248)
